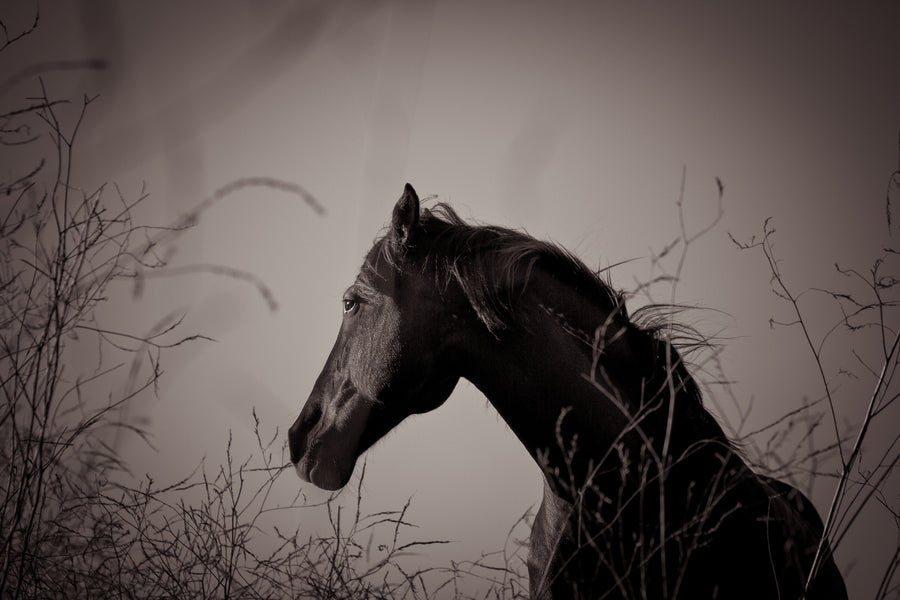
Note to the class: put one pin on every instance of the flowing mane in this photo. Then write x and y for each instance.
(492, 264)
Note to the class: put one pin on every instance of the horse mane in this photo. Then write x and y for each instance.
(493, 264)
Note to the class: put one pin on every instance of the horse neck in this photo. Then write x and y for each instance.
(537, 376)
(571, 380)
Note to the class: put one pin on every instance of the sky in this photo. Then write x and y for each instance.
(578, 122)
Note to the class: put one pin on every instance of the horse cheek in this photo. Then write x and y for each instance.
(375, 357)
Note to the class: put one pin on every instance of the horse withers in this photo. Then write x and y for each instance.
(644, 495)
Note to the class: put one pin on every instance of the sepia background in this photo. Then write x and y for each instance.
(578, 122)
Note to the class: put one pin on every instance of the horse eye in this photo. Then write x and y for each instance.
(350, 305)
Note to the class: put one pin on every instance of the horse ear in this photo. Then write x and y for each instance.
(405, 217)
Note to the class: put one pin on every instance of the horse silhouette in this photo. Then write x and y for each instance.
(644, 495)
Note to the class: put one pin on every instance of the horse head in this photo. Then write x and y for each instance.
(391, 358)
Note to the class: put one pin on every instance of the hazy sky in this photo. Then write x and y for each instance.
(574, 122)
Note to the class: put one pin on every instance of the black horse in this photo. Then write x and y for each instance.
(644, 495)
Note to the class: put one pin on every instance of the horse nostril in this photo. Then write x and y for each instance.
(294, 442)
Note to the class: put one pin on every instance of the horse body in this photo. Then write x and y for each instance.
(644, 496)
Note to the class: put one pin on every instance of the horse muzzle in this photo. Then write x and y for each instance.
(324, 441)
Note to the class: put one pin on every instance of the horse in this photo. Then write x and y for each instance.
(644, 495)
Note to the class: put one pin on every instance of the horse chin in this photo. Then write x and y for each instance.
(325, 475)
(329, 479)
